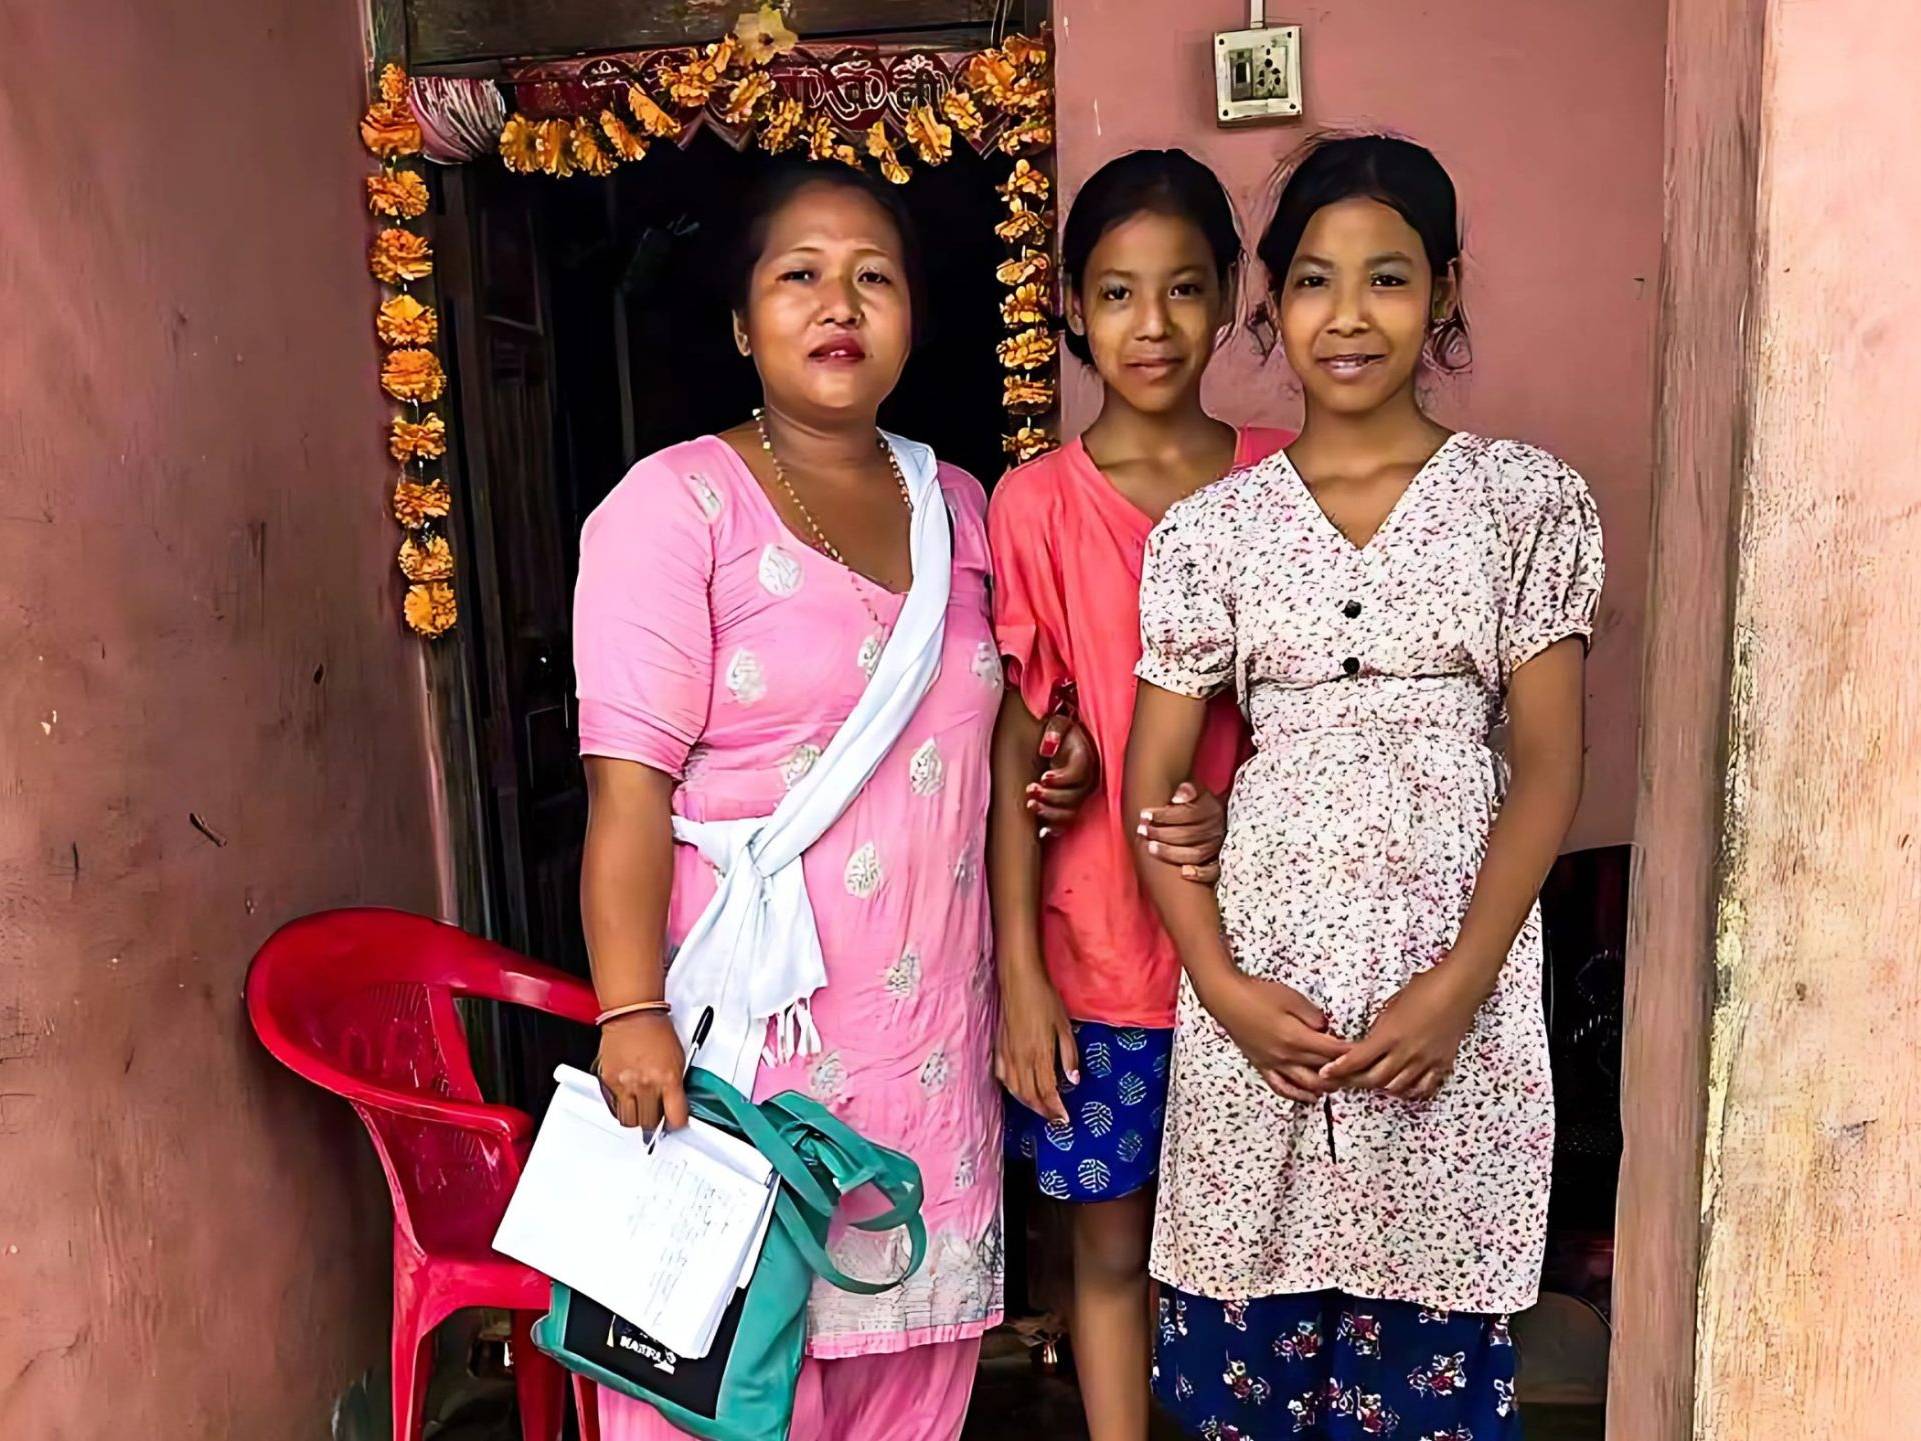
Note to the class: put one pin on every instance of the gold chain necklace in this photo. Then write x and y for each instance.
(820, 536)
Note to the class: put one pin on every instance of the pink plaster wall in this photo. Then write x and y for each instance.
(196, 618)
(1549, 115)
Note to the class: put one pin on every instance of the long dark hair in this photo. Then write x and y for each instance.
(1152, 182)
(770, 194)
(1399, 174)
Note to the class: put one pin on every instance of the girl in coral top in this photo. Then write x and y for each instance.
(1087, 974)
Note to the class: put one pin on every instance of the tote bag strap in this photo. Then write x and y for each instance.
(779, 1128)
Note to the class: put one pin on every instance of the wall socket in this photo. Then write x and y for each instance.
(1257, 74)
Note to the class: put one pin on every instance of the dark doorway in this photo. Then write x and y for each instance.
(589, 328)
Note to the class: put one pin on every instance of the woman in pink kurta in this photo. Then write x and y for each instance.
(735, 595)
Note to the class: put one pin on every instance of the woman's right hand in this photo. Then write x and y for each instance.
(642, 1071)
(1281, 1032)
(1036, 1042)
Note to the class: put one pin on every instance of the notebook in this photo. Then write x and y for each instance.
(663, 1237)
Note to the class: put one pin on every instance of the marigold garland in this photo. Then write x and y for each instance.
(410, 371)
(1010, 84)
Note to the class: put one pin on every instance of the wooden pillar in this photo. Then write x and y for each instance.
(1770, 1266)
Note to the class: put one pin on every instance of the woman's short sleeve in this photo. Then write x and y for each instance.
(1187, 611)
(643, 622)
(1554, 562)
(1030, 617)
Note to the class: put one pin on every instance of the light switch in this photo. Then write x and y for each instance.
(1257, 74)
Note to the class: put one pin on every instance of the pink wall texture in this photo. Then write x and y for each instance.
(1548, 113)
(197, 620)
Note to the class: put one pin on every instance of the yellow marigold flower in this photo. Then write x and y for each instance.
(430, 609)
(399, 257)
(1029, 350)
(413, 375)
(397, 194)
(626, 144)
(932, 140)
(519, 145)
(417, 502)
(405, 321)
(423, 440)
(423, 560)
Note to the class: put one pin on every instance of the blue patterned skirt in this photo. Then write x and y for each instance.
(1330, 1367)
(1110, 1145)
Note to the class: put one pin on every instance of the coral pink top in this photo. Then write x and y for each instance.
(1067, 577)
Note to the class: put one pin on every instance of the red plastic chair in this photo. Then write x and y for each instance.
(361, 1002)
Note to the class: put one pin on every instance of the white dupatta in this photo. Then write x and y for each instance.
(754, 954)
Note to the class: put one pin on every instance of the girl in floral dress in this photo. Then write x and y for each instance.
(1355, 1177)
(1150, 254)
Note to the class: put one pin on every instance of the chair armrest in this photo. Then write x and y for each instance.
(521, 982)
(505, 1123)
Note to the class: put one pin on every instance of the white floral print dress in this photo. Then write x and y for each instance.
(1372, 678)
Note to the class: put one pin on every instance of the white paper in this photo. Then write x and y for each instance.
(662, 1239)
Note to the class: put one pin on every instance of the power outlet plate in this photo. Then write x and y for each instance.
(1257, 75)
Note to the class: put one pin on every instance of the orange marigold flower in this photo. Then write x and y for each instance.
(405, 321)
(1030, 135)
(990, 73)
(1026, 179)
(931, 139)
(1021, 225)
(626, 144)
(1027, 442)
(1024, 395)
(413, 374)
(423, 440)
(400, 256)
(393, 84)
(655, 121)
(429, 559)
(960, 108)
(692, 83)
(822, 139)
(782, 127)
(397, 194)
(1026, 306)
(1028, 265)
(881, 147)
(746, 97)
(554, 148)
(763, 34)
(519, 145)
(1029, 350)
(430, 609)
(417, 502)
(1027, 53)
(389, 129)
(584, 146)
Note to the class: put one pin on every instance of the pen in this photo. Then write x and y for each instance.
(701, 1028)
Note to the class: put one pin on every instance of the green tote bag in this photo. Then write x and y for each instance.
(743, 1388)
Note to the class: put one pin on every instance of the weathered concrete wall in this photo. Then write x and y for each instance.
(1548, 115)
(196, 620)
(1811, 1268)
(1707, 281)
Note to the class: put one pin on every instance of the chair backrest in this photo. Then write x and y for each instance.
(362, 1003)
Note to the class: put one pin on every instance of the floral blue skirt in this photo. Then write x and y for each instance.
(1110, 1145)
(1330, 1367)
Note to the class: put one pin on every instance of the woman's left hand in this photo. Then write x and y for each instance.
(1074, 770)
(1187, 832)
(1410, 1049)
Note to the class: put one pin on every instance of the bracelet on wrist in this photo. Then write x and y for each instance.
(635, 1008)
